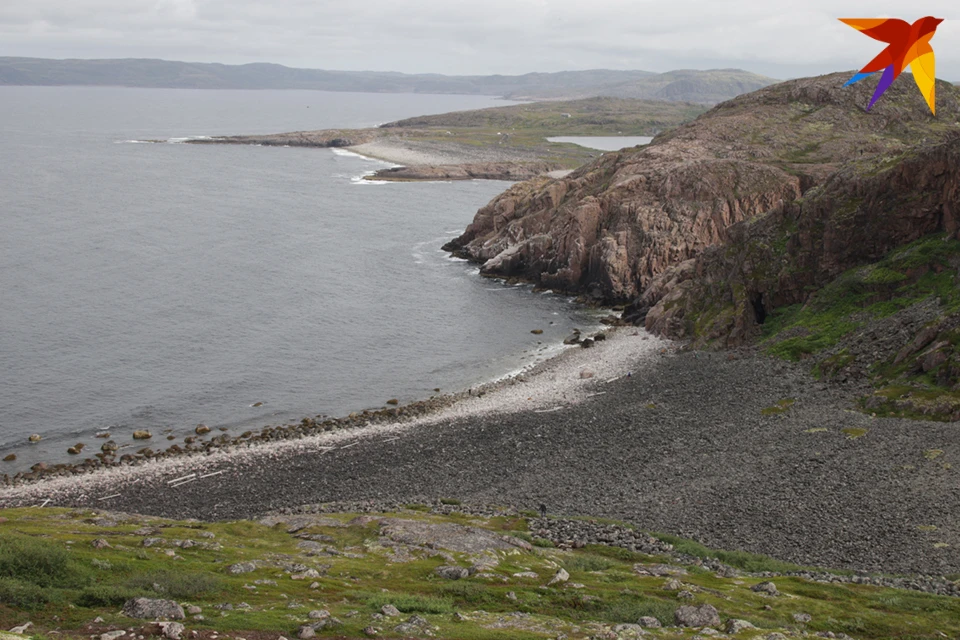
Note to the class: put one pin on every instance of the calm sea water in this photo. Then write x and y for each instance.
(604, 143)
(159, 286)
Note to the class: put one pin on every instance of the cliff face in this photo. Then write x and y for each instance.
(613, 226)
(856, 217)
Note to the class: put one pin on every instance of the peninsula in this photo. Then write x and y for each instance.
(499, 143)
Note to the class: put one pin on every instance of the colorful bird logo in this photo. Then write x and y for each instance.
(908, 44)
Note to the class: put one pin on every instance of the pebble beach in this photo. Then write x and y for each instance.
(736, 450)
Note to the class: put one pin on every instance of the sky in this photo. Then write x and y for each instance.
(772, 37)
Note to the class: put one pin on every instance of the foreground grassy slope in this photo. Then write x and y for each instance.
(52, 574)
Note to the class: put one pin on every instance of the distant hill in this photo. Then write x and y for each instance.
(704, 87)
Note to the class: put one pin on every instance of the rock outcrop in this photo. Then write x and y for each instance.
(861, 213)
(611, 228)
(509, 171)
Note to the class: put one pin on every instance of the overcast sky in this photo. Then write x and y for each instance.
(777, 38)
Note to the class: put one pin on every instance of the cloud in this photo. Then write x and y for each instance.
(454, 36)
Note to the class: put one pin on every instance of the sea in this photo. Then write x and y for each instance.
(151, 284)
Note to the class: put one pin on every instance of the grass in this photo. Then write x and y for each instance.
(355, 587)
(175, 584)
(781, 407)
(751, 562)
(905, 277)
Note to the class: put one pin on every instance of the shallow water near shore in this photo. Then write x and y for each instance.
(157, 286)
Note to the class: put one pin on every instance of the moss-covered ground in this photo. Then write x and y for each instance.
(52, 574)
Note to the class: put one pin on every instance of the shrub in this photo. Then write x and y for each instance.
(410, 603)
(22, 595)
(104, 596)
(588, 562)
(627, 609)
(175, 584)
(39, 562)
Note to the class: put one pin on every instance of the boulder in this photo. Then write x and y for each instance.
(562, 576)
(112, 635)
(766, 588)
(704, 615)
(240, 568)
(649, 622)
(172, 630)
(390, 611)
(736, 626)
(142, 434)
(153, 609)
(100, 543)
(452, 573)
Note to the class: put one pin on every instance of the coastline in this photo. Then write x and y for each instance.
(686, 445)
(548, 379)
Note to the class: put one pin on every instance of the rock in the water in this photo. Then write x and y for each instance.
(390, 611)
(142, 434)
(736, 626)
(10, 457)
(35, 438)
(201, 429)
(650, 622)
(393, 401)
(573, 338)
(452, 573)
(562, 576)
(241, 567)
(172, 630)
(704, 615)
(767, 588)
(153, 609)
(536, 332)
(586, 344)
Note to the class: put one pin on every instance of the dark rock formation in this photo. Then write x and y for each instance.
(862, 212)
(611, 228)
(510, 171)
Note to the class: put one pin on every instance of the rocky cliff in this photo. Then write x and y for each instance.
(611, 228)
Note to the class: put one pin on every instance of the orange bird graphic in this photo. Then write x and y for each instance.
(907, 44)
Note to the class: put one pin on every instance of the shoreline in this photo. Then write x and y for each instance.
(439, 407)
(687, 445)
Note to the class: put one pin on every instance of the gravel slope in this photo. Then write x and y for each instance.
(681, 446)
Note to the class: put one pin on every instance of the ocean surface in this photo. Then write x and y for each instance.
(604, 143)
(158, 286)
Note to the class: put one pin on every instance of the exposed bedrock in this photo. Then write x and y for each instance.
(613, 226)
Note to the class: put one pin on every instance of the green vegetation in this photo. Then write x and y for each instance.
(589, 117)
(752, 562)
(64, 582)
(907, 276)
(781, 407)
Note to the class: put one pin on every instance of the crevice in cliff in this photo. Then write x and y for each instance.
(759, 311)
